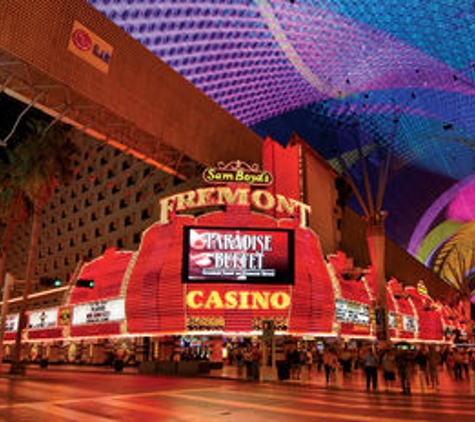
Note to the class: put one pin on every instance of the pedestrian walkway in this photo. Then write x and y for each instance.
(357, 381)
(99, 369)
(59, 394)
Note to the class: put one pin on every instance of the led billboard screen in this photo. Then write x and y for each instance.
(238, 255)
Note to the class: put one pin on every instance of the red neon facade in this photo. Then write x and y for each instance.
(159, 302)
(108, 274)
(404, 311)
(430, 323)
(352, 297)
(450, 321)
(145, 293)
(392, 314)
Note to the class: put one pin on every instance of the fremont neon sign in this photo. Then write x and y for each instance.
(198, 299)
(261, 199)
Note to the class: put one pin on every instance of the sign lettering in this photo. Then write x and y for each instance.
(97, 312)
(89, 47)
(39, 320)
(237, 172)
(410, 324)
(352, 312)
(223, 195)
(11, 323)
(198, 299)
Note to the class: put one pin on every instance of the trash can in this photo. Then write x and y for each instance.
(118, 365)
(18, 368)
(283, 370)
(44, 363)
(255, 371)
(249, 369)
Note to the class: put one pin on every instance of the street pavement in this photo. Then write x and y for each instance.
(357, 382)
(99, 395)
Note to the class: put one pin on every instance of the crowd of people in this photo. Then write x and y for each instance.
(401, 363)
(389, 367)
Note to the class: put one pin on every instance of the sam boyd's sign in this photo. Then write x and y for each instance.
(237, 172)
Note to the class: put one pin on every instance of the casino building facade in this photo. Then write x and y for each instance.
(220, 260)
(176, 259)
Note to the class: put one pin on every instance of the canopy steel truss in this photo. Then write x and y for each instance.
(35, 89)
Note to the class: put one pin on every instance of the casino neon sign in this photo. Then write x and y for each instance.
(243, 299)
(261, 199)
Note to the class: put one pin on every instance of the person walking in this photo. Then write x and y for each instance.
(371, 369)
(403, 369)
(450, 363)
(421, 359)
(433, 362)
(388, 363)
(293, 357)
(247, 357)
(346, 360)
(308, 362)
(457, 364)
(256, 361)
(330, 363)
(464, 363)
(318, 359)
(239, 358)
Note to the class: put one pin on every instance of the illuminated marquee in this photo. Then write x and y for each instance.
(410, 324)
(392, 320)
(198, 299)
(99, 312)
(242, 196)
(40, 320)
(11, 323)
(352, 312)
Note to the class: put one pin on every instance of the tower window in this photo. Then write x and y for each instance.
(145, 214)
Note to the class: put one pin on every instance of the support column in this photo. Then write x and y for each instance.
(216, 349)
(376, 245)
(9, 280)
(467, 310)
